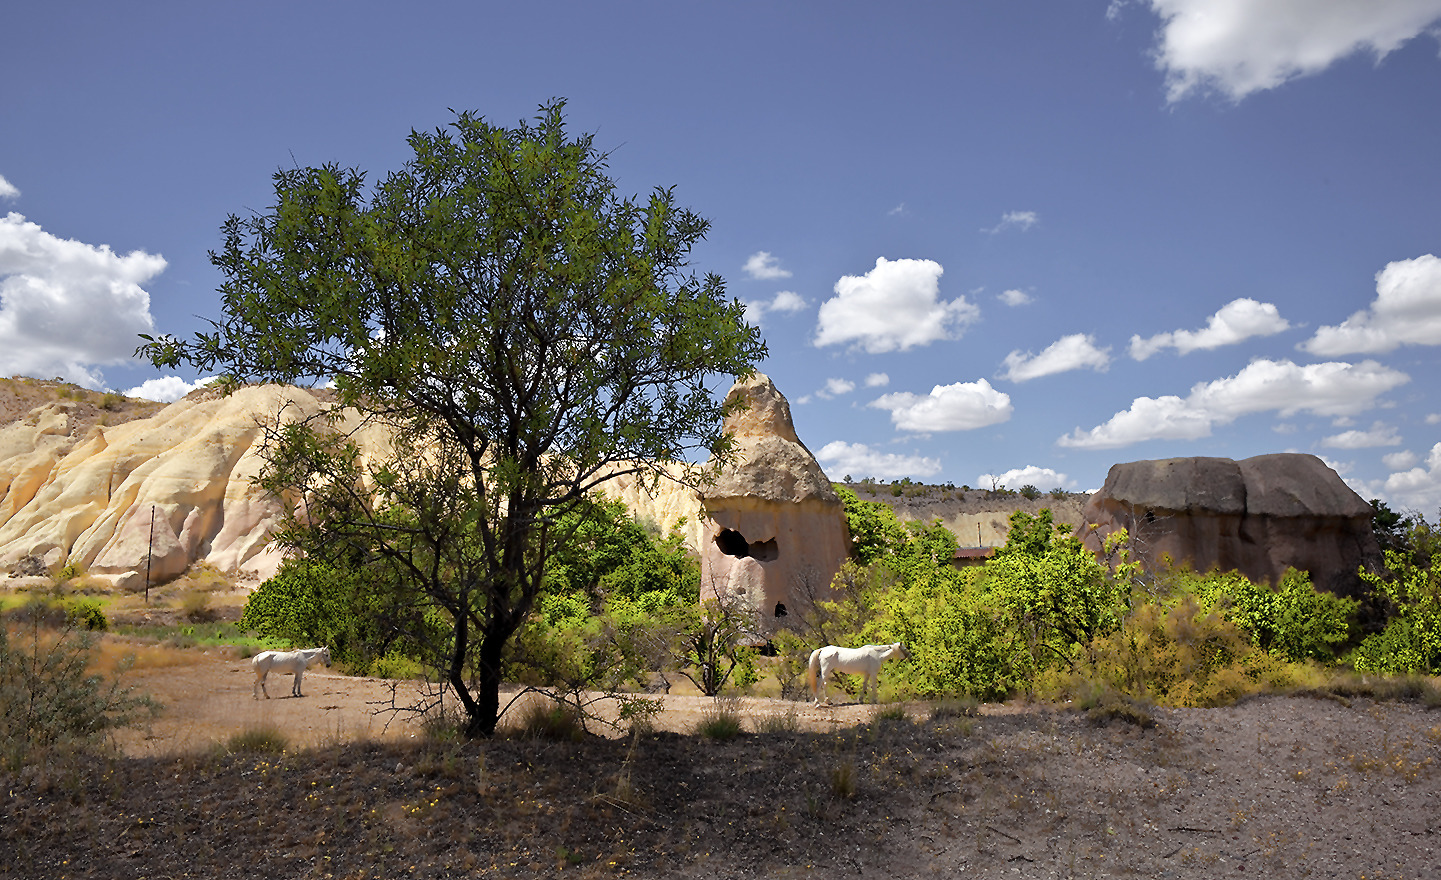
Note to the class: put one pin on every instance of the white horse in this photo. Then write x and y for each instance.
(858, 661)
(281, 662)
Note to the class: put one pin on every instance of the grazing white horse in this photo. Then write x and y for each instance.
(857, 661)
(281, 662)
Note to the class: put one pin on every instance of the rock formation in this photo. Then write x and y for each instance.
(170, 490)
(774, 532)
(1258, 516)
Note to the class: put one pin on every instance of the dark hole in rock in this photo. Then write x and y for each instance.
(780, 609)
(765, 551)
(732, 543)
(1150, 517)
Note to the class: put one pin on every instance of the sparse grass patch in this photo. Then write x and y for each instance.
(889, 712)
(1103, 705)
(786, 722)
(843, 780)
(261, 740)
(958, 707)
(545, 719)
(1406, 688)
(721, 721)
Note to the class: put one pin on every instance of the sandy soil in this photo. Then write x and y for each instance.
(1276, 786)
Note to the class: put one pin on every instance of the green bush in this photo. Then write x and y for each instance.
(1411, 640)
(51, 701)
(1293, 621)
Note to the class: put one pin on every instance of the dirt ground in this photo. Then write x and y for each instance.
(1275, 786)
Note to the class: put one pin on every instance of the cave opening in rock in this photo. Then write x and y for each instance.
(732, 543)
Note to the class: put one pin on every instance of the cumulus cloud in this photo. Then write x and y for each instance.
(835, 388)
(1400, 461)
(1238, 47)
(1237, 320)
(1014, 298)
(877, 380)
(1021, 220)
(1030, 475)
(1407, 311)
(764, 267)
(894, 307)
(958, 407)
(67, 307)
(1075, 352)
(784, 301)
(7, 189)
(859, 460)
(1418, 488)
(1326, 389)
(166, 389)
(1380, 434)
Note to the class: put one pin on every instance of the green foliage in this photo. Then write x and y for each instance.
(875, 531)
(1052, 592)
(51, 701)
(1030, 493)
(312, 602)
(1293, 621)
(1181, 655)
(525, 332)
(1411, 641)
(88, 613)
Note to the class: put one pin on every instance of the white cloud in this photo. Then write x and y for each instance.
(1236, 321)
(859, 460)
(67, 307)
(1433, 418)
(1407, 311)
(1237, 47)
(764, 267)
(1044, 479)
(7, 189)
(958, 407)
(1380, 434)
(1400, 461)
(1075, 352)
(166, 389)
(1418, 488)
(1014, 298)
(897, 210)
(895, 306)
(835, 388)
(1022, 220)
(784, 301)
(1327, 389)
(877, 380)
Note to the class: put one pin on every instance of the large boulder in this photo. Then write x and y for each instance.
(1259, 516)
(774, 531)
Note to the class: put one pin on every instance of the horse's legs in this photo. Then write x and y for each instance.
(824, 698)
(295, 691)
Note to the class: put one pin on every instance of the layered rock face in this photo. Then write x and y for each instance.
(171, 490)
(774, 532)
(1258, 516)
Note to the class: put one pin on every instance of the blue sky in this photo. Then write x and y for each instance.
(1011, 241)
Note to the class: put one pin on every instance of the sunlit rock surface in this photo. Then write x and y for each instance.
(1258, 516)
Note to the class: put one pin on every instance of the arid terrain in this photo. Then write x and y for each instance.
(1275, 786)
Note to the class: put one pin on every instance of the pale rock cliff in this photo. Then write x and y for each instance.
(181, 482)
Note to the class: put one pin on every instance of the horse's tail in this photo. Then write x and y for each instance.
(814, 672)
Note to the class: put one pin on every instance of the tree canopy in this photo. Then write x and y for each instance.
(523, 332)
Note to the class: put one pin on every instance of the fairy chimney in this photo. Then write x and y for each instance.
(774, 529)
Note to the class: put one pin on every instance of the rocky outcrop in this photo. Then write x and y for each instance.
(1258, 516)
(170, 490)
(774, 532)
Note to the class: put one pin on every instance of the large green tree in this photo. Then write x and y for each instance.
(523, 331)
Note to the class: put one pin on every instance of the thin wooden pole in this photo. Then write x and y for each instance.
(149, 554)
